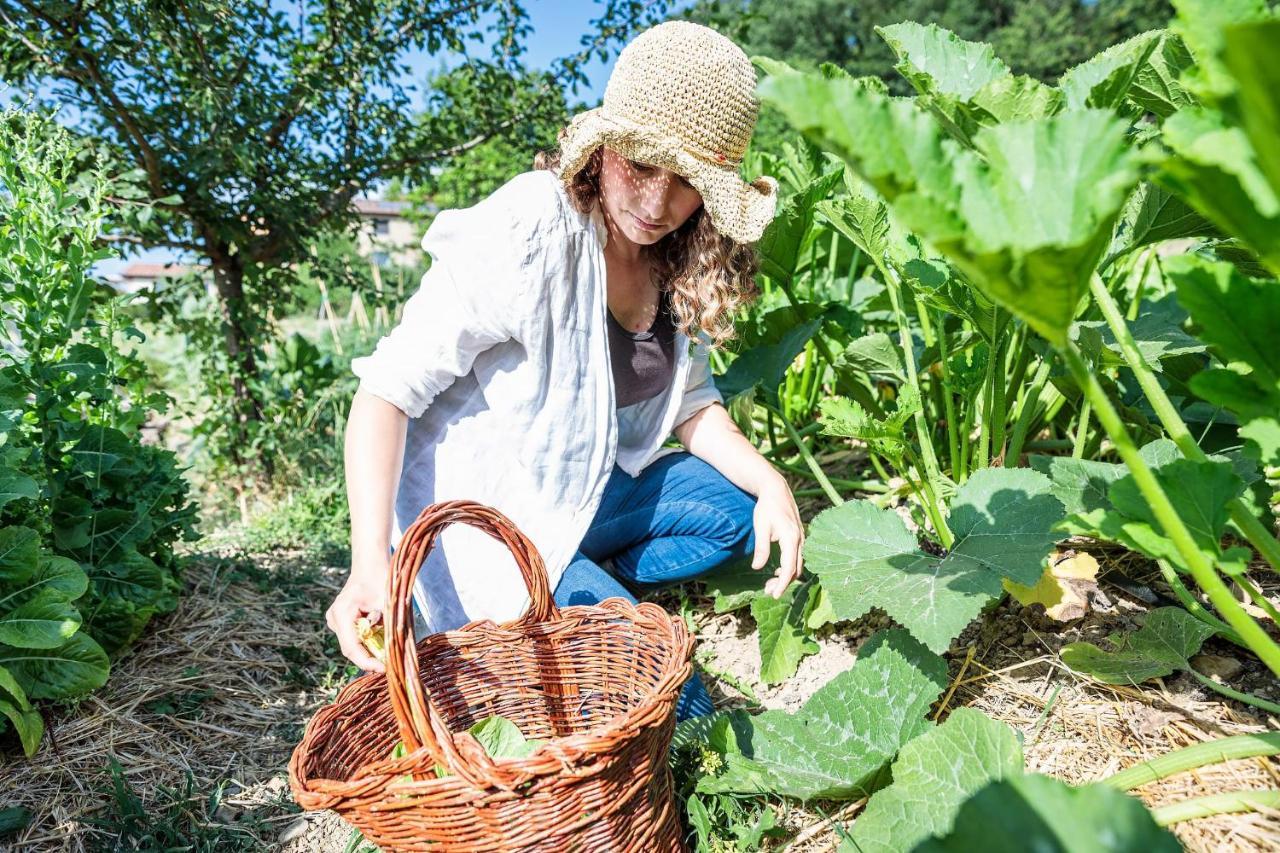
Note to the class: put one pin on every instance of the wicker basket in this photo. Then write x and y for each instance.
(598, 683)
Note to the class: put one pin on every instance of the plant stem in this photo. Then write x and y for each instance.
(1027, 412)
(932, 507)
(949, 404)
(1197, 561)
(1194, 607)
(1235, 801)
(1196, 755)
(1082, 430)
(1246, 698)
(1252, 528)
(858, 485)
(818, 473)
(894, 286)
(998, 412)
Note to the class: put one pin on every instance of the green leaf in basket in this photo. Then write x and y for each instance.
(502, 738)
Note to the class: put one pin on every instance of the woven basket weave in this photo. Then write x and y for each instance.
(598, 683)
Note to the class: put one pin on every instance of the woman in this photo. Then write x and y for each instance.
(558, 339)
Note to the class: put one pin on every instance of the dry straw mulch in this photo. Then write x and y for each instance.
(222, 687)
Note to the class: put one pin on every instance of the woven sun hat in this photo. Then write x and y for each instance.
(682, 96)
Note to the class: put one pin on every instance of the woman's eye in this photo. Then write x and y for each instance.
(640, 167)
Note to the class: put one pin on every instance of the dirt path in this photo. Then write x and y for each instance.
(222, 688)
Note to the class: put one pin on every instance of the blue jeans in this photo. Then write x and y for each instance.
(679, 519)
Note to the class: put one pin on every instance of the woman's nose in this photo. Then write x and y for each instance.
(654, 194)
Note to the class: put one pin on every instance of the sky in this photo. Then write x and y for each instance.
(557, 26)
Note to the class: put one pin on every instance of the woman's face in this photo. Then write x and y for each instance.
(638, 195)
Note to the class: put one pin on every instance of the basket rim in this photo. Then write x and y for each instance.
(549, 757)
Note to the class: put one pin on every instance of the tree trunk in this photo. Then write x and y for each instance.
(228, 280)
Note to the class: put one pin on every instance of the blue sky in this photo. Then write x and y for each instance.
(557, 26)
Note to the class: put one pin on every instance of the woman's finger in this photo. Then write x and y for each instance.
(763, 540)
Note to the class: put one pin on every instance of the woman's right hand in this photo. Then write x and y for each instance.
(364, 594)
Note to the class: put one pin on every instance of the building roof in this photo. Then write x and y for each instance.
(378, 207)
(140, 269)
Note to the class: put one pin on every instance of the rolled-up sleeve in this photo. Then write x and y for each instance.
(467, 302)
(700, 388)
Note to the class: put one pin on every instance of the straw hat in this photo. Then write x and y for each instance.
(682, 97)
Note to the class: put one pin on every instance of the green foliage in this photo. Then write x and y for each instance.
(932, 776)
(1222, 150)
(784, 630)
(1035, 812)
(836, 746)
(88, 515)
(1238, 316)
(865, 556)
(1165, 643)
(1103, 502)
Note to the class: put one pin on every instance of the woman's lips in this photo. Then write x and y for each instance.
(648, 226)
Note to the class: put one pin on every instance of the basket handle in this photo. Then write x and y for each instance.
(419, 722)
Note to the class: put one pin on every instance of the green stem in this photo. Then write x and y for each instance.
(857, 485)
(1258, 599)
(773, 433)
(818, 473)
(966, 429)
(894, 286)
(1191, 757)
(999, 413)
(982, 452)
(1167, 517)
(1026, 412)
(1246, 698)
(1082, 430)
(1194, 607)
(929, 498)
(1252, 528)
(948, 402)
(1235, 801)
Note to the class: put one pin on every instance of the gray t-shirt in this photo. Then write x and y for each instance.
(643, 362)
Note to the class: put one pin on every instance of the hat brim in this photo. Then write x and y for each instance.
(739, 210)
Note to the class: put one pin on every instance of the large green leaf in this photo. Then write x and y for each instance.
(946, 70)
(1039, 205)
(1239, 316)
(1249, 53)
(73, 669)
(1154, 214)
(1105, 80)
(15, 706)
(1035, 812)
(1026, 217)
(783, 244)
(1003, 523)
(765, 364)
(933, 776)
(837, 745)
(934, 59)
(1158, 333)
(1163, 645)
(893, 145)
(1157, 88)
(1215, 168)
(784, 632)
(16, 486)
(45, 622)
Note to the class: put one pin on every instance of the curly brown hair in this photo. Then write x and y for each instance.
(710, 276)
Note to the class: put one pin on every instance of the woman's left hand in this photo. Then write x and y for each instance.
(777, 519)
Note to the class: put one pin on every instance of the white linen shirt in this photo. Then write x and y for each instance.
(501, 362)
